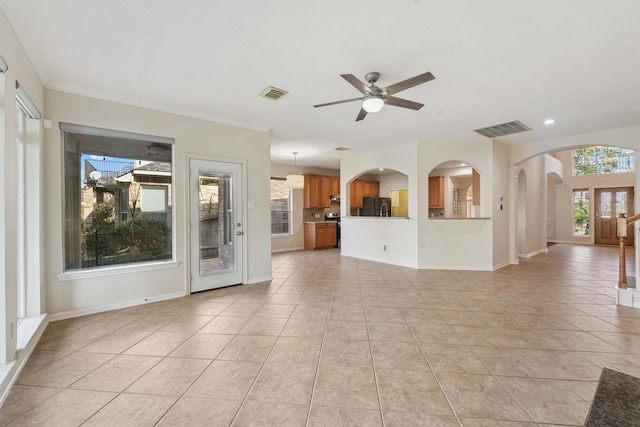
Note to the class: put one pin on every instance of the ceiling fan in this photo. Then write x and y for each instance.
(374, 98)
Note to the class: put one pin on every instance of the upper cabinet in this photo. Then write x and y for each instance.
(436, 192)
(475, 188)
(360, 189)
(335, 185)
(318, 190)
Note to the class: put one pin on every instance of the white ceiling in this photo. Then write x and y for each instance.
(495, 61)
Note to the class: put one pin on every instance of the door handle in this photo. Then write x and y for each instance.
(239, 233)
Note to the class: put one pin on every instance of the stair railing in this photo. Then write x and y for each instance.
(622, 238)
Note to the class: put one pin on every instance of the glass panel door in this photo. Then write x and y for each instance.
(216, 224)
(609, 202)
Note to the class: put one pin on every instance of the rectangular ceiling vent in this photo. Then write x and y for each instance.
(502, 129)
(273, 93)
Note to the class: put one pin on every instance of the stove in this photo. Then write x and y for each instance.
(335, 217)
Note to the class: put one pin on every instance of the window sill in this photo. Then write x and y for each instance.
(281, 236)
(112, 271)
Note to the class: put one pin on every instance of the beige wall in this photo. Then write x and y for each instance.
(192, 137)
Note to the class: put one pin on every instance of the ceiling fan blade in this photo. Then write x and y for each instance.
(406, 84)
(404, 103)
(355, 82)
(361, 114)
(338, 102)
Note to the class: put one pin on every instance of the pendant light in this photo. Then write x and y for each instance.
(295, 181)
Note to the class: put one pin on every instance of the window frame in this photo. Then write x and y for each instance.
(99, 271)
(290, 211)
(586, 196)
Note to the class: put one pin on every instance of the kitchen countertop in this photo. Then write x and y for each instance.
(391, 218)
(440, 218)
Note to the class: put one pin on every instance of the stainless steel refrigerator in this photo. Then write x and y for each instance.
(376, 206)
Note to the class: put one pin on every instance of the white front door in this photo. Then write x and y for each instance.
(215, 206)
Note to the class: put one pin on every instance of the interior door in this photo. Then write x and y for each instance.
(609, 202)
(216, 236)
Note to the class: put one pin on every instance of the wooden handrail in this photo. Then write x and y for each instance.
(633, 219)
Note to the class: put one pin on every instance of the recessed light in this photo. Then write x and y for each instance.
(380, 169)
(463, 164)
(549, 121)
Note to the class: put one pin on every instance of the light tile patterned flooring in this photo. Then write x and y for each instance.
(337, 341)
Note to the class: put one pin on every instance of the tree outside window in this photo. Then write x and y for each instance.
(602, 160)
(581, 212)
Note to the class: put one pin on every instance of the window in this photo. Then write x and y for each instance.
(581, 212)
(117, 192)
(281, 207)
(27, 204)
(20, 225)
(602, 160)
(153, 202)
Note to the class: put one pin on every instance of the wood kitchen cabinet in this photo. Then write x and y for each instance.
(361, 188)
(317, 191)
(475, 190)
(436, 192)
(335, 185)
(320, 235)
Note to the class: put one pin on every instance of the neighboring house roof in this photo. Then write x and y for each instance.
(153, 168)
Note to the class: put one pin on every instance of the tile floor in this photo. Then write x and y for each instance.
(337, 341)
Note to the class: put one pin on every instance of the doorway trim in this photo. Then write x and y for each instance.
(187, 213)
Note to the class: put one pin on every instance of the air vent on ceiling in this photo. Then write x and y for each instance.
(502, 129)
(341, 149)
(273, 93)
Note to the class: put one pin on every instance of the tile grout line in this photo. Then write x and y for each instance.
(315, 378)
(373, 362)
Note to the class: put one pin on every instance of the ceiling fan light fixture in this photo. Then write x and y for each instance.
(372, 103)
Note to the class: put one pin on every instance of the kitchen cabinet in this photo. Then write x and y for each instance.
(356, 193)
(371, 189)
(335, 185)
(361, 188)
(325, 191)
(320, 235)
(475, 189)
(317, 191)
(436, 192)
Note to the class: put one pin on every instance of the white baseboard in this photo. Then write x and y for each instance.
(275, 251)
(260, 280)
(9, 373)
(107, 307)
(533, 253)
(501, 265)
